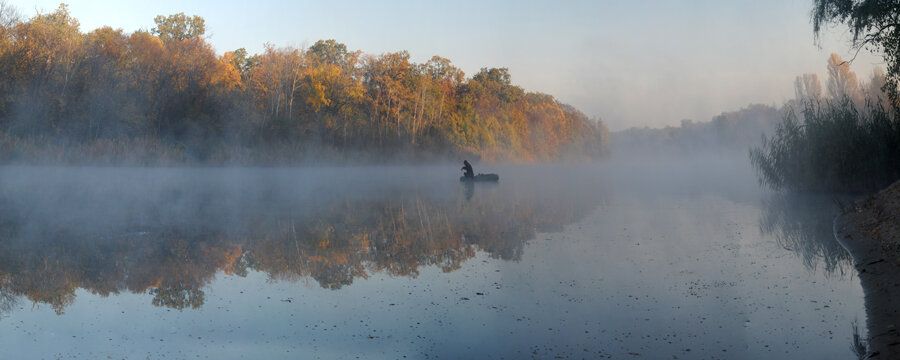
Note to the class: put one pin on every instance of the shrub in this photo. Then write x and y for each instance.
(832, 147)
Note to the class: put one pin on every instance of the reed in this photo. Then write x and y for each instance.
(831, 147)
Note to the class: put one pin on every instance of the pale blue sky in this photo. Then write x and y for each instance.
(631, 63)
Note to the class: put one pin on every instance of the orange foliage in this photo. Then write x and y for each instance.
(170, 85)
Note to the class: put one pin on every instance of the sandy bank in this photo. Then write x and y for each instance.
(870, 231)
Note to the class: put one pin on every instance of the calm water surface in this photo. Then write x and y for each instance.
(664, 259)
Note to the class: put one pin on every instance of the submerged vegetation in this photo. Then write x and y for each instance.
(165, 96)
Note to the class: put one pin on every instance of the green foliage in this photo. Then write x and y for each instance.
(242, 61)
(329, 51)
(179, 27)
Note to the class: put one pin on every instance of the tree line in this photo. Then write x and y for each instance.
(165, 94)
(734, 131)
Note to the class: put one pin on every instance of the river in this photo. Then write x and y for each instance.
(674, 258)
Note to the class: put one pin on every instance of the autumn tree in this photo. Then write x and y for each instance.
(274, 83)
(9, 15)
(45, 56)
(875, 25)
(807, 88)
(874, 90)
(105, 101)
(193, 76)
(490, 98)
(168, 90)
(445, 78)
(387, 79)
(333, 89)
(329, 51)
(842, 83)
(9, 19)
(179, 27)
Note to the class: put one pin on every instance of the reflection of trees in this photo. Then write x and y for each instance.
(8, 300)
(178, 298)
(332, 240)
(47, 266)
(858, 344)
(804, 224)
(398, 235)
(176, 266)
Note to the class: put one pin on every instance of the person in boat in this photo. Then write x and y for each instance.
(468, 169)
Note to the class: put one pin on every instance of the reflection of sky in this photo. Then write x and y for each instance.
(689, 59)
(696, 283)
(684, 264)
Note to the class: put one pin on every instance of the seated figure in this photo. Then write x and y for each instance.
(468, 169)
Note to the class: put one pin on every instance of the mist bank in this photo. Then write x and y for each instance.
(840, 137)
(733, 132)
(164, 97)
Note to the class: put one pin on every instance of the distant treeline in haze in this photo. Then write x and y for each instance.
(733, 131)
(165, 97)
(794, 138)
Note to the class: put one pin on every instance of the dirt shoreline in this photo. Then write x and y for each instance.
(870, 231)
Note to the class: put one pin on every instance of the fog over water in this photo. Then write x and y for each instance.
(281, 180)
(652, 258)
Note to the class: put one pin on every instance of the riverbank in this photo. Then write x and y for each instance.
(869, 231)
(877, 218)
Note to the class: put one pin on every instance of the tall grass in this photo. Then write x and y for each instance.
(831, 147)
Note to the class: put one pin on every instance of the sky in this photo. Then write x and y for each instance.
(628, 63)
